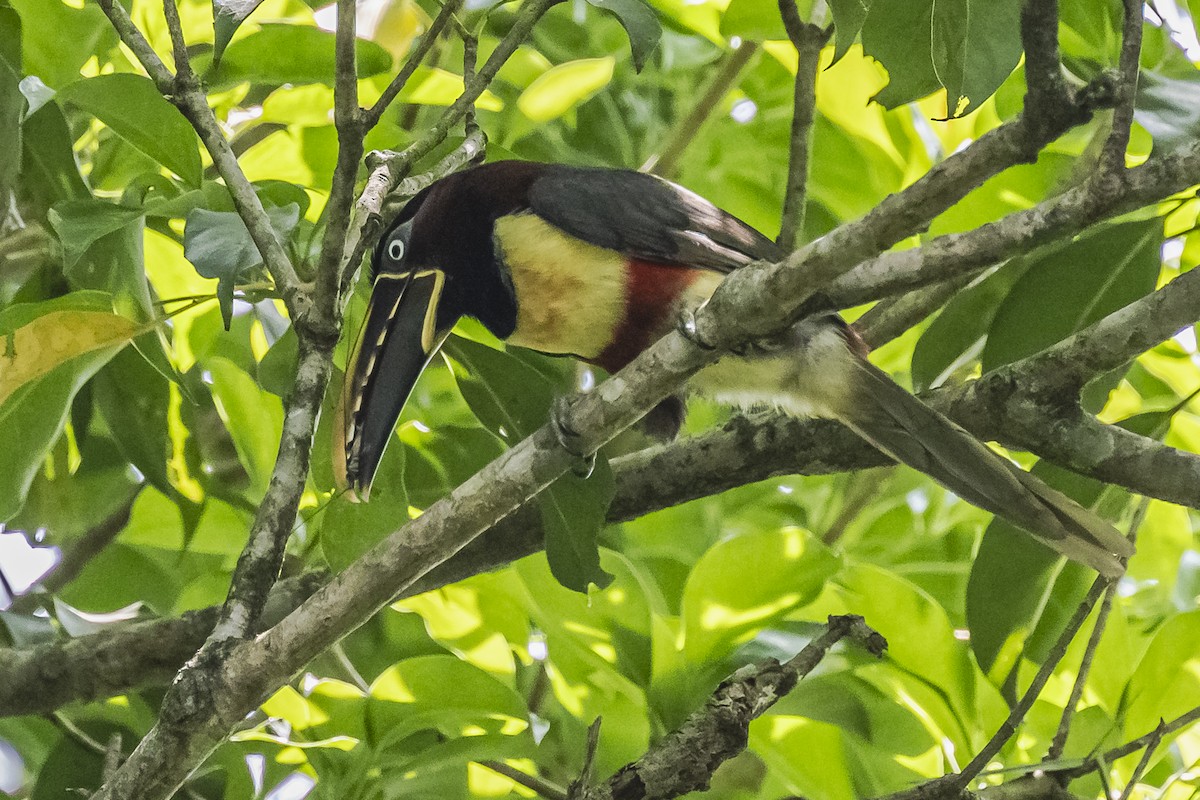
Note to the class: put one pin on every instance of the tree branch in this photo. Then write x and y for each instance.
(1112, 158)
(808, 39)
(892, 316)
(1059, 743)
(746, 449)
(1160, 731)
(1047, 89)
(952, 255)
(371, 116)
(117, 660)
(188, 96)
(132, 38)
(686, 758)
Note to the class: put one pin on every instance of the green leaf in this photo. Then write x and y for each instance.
(295, 54)
(1168, 107)
(134, 397)
(69, 503)
(277, 370)
(512, 400)
(49, 351)
(848, 19)
(967, 48)
(955, 337)
(132, 107)
(1167, 680)
(565, 86)
(48, 164)
(745, 583)
(10, 39)
(756, 20)
(1020, 593)
(574, 511)
(253, 417)
(921, 644)
(1072, 286)
(72, 767)
(641, 24)
(219, 245)
(349, 529)
(228, 15)
(60, 38)
(444, 693)
(79, 224)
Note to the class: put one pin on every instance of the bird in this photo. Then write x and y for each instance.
(598, 263)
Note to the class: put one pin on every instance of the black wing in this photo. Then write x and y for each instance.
(645, 217)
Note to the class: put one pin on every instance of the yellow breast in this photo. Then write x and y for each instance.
(570, 294)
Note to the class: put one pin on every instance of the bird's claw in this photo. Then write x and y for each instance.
(568, 438)
(688, 329)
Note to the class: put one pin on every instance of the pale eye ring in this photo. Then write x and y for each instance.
(395, 250)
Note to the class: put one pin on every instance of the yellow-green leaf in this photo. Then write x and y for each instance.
(560, 89)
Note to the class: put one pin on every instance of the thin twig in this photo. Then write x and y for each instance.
(1144, 762)
(951, 785)
(351, 132)
(345, 90)
(1112, 159)
(79, 735)
(535, 784)
(579, 786)
(470, 56)
(80, 554)
(400, 164)
(808, 39)
(132, 38)
(112, 756)
(1160, 731)
(183, 64)
(666, 162)
(1059, 743)
(188, 96)
(892, 316)
(370, 203)
(371, 116)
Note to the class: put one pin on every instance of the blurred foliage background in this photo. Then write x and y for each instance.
(143, 435)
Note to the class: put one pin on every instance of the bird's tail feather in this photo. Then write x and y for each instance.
(913, 433)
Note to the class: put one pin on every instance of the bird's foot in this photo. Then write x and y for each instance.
(569, 438)
(688, 329)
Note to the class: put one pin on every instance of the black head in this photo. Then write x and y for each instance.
(435, 264)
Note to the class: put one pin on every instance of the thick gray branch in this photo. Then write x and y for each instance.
(125, 658)
(952, 255)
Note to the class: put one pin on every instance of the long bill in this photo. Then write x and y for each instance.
(399, 338)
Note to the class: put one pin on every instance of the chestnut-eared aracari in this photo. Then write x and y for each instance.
(598, 264)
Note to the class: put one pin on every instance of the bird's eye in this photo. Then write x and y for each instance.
(395, 250)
